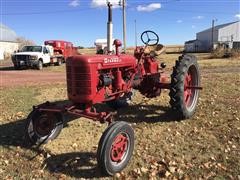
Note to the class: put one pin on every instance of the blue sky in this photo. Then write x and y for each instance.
(83, 21)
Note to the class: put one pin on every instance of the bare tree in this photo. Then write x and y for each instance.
(22, 41)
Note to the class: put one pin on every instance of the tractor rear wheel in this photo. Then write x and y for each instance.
(183, 95)
(115, 148)
(42, 127)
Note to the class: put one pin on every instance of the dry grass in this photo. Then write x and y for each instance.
(206, 146)
(223, 53)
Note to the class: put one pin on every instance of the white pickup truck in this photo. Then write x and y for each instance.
(35, 56)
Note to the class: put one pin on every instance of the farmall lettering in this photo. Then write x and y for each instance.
(112, 60)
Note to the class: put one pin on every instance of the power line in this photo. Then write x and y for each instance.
(130, 6)
(46, 12)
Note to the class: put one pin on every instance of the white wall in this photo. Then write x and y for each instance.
(195, 46)
(8, 47)
(230, 33)
(205, 37)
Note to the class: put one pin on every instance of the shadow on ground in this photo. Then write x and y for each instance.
(147, 113)
(77, 165)
(82, 164)
(7, 68)
(11, 134)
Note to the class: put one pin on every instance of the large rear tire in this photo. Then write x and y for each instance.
(42, 127)
(115, 148)
(185, 76)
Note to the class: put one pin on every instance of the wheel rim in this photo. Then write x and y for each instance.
(44, 125)
(119, 148)
(190, 93)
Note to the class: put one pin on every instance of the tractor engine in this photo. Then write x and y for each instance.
(99, 78)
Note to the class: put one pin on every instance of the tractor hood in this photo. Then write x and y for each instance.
(103, 61)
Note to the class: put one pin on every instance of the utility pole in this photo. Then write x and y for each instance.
(124, 25)
(213, 27)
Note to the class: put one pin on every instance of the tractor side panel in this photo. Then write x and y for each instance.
(82, 80)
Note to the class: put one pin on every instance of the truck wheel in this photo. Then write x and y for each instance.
(122, 101)
(59, 62)
(115, 148)
(183, 98)
(39, 65)
(42, 127)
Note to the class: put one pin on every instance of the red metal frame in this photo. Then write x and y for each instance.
(87, 76)
(88, 112)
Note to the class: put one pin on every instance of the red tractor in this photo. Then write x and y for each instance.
(94, 79)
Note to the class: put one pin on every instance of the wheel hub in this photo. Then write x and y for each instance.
(44, 125)
(188, 91)
(119, 148)
(190, 87)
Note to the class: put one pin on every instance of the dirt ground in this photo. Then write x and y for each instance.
(203, 147)
(10, 77)
(30, 77)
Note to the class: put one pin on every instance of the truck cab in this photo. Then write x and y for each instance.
(32, 56)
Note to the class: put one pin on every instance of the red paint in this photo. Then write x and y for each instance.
(119, 148)
(150, 65)
(93, 79)
(83, 76)
(117, 44)
(188, 91)
(62, 48)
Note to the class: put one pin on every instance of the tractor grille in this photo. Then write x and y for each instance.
(79, 80)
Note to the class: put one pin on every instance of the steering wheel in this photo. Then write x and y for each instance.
(149, 38)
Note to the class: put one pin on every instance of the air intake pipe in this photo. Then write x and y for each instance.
(109, 29)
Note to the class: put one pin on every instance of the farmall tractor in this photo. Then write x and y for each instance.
(110, 79)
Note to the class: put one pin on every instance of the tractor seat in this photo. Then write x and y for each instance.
(155, 50)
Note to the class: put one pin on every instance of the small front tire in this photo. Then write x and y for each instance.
(115, 148)
(42, 127)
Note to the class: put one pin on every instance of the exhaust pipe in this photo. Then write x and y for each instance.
(109, 29)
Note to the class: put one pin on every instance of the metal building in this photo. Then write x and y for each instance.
(8, 42)
(224, 34)
(193, 46)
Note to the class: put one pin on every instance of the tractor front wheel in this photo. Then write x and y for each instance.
(42, 127)
(115, 148)
(184, 82)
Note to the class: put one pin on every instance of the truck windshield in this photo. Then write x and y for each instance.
(32, 49)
